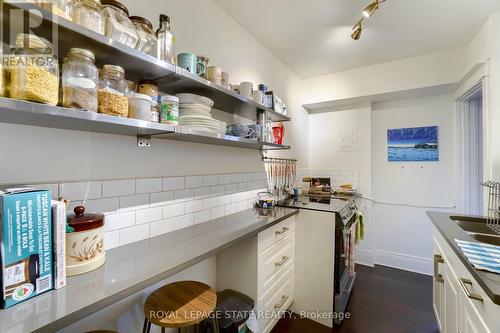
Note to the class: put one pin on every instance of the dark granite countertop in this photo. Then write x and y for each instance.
(450, 231)
(329, 204)
(134, 267)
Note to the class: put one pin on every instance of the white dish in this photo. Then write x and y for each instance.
(194, 99)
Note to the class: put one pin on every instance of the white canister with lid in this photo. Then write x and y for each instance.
(139, 106)
(169, 110)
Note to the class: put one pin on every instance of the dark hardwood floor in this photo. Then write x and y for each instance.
(383, 300)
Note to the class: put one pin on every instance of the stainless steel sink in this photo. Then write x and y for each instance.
(477, 228)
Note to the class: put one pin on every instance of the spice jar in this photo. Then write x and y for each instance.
(80, 79)
(147, 38)
(62, 8)
(33, 70)
(169, 110)
(148, 87)
(85, 245)
(112, 88)
(88, 13)
(118, 25)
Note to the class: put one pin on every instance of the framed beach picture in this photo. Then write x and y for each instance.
(412, 144)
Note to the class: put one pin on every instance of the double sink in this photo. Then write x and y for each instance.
(478, 228)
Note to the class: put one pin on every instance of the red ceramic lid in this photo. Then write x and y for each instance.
(82, 221)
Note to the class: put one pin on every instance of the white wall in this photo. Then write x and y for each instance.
(401, 228)
(200, 27)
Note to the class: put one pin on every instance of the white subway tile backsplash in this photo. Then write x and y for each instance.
(193, 181)
(193, 206)
(183, 195)
(173, 183)
(116, 221)
(134, 234)
(217, 212)
(117, 188)
(225, 179)
(148, 185)
(242, 187)
(102, 205)
(111, 239)
(134, 202)
(173, 210)
(210, 202)
(202, 216)
(210, 180)
(225, 199)
(184, 221)
(161, 227)
(80, 190)
(230, 208)
(238, 196)
(202, 192)
(247, 177)
(219, 189)
(232, 188)
(161, 198)
(148, 215)
(241, 205)
(236, 178)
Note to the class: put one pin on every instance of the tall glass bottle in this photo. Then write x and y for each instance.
(165, 42)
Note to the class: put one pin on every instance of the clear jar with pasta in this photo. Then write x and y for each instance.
(88, 13)
(117, 23)
(33, 70)
(80, 79)
(112, 89)
(147, 38)
(62, 8)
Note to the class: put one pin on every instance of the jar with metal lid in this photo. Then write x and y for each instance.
(80, 79)
(33, 70)
(169, 110)
(112, 89)
(62, 8)
(147, 38)
(148, 87)
(117, 24)
(85, 243)
(88, 13)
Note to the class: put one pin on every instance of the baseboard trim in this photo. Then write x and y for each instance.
(403, 261)
(364, 258)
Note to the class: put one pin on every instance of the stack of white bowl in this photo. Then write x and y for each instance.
(195, 112)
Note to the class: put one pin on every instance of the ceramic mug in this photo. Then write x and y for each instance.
(188, 61)
(201, 66)
(258, 96)
(215, 75)
(246, 89)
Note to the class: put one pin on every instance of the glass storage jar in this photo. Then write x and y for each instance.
(112, 88)
(33, 70)
(62, 8)
(147, 38)
(80, 79)
(88, 13)
(117, 24)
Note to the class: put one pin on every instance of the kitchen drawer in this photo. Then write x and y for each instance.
(277, 300)
(274, 262)
(274, 234)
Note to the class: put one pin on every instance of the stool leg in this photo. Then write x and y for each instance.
(215, 325)
(145, 325)
(163, 330)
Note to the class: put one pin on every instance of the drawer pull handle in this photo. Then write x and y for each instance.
(438, 259)
(284, 298)
(463, 282)
(282, 231)
(284, 260)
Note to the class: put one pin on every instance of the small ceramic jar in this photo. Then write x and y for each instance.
(85, 242)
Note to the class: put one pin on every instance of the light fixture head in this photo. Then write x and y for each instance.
(358, 29)
(371, 8)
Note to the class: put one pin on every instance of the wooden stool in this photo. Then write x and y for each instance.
(179, 305)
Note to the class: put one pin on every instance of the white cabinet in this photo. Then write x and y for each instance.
(460, 305)
(262, 267)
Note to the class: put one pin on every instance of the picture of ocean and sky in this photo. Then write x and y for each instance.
(412, 144)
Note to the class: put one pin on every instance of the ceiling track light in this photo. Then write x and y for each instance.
(367, 13)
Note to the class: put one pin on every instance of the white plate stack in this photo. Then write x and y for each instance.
(195, 113)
